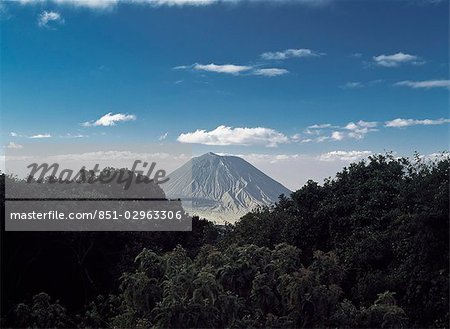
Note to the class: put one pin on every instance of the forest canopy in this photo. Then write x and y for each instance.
(367, 248)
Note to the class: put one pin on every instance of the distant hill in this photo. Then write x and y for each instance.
(222, 188)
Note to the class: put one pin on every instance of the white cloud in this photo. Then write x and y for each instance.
(13, 145)
(320, 126)
(359, 129)
(360, 124)
(177, 2)
(321, 139)
(360, 84)
(224, 135)
(315, 131)
(427, 84)
(400, 123)
(352, 130)
(337, 135)
(38, 136)
(396, 59)
(290, 53)
(47, 17)
(226, 68)
(163, 136)
(91, 4)
(110, 119)
(297, 138)
(347, 156)
(69, 135)
(234, 69)
(272, 72)
(110, 4)
(46, 135)
(182, 67)
(352, 85)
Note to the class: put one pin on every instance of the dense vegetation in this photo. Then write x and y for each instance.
(368, 248)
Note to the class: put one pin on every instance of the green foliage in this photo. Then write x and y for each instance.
(387, 223)
(367, 249)
(42, 313)
(384, 313)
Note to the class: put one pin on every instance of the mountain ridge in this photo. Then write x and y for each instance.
(222, 188)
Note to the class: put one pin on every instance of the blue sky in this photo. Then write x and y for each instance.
(273, 81)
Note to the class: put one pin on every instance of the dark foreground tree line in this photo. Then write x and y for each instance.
(368, 248)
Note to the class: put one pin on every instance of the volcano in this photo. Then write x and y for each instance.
(222, 188)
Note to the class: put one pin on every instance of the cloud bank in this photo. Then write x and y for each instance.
(13, 145)
(223, 135)
(347, 156)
